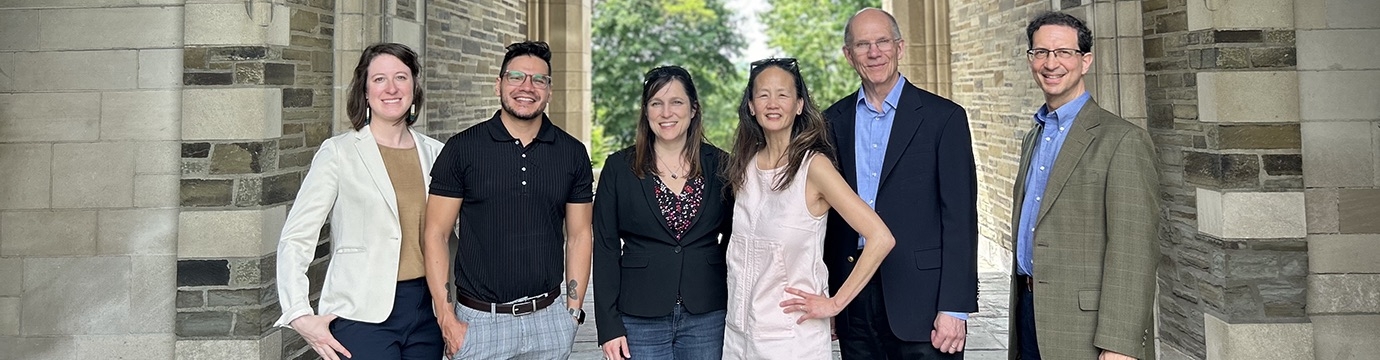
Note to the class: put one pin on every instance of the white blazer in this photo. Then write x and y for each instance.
(347, 181)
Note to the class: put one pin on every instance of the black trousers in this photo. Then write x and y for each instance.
(409, 333)
(1028, 349)
(865, 333)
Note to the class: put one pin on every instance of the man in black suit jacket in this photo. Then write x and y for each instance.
(909, 155)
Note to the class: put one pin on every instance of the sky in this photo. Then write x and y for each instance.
(752, 31)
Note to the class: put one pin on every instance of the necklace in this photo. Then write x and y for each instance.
(668, 167)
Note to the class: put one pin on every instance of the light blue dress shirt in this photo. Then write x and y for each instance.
(872, 129)
(1056, 125)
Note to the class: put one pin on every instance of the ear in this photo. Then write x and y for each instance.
(498, 85)
(1087, 62)
(799, 106)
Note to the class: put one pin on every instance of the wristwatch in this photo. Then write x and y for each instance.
(579, 315)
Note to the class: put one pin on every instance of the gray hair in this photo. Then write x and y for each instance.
(848, 28)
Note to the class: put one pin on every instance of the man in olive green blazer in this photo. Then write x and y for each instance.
(1085, 215)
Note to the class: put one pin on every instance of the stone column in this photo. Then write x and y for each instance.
(925, 27)
(565, 24)
(257, 103)
(1338, 74)
(89, 122)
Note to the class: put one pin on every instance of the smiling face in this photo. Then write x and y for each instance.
(874, 50)
(389, 88)
(1060, 79)
(524, 101)
(669, 112)
(775, 102)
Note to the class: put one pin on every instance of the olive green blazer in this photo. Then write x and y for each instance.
(1096, 241)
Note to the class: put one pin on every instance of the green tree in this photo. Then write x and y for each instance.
(633, 36)
(812, 32)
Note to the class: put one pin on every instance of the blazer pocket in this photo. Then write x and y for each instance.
(349, 250)
(634, 262)
(929, 259)
(1087, 299)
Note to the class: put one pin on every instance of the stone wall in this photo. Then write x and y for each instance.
(89, 130)
(465, 46)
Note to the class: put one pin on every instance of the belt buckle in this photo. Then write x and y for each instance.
(516, 312)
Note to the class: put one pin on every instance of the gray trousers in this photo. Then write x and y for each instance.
(543, 335)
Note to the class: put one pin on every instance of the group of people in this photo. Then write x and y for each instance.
(856, 223)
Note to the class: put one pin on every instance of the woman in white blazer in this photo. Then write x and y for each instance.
(371, 183)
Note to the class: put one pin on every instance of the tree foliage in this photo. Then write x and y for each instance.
(631, 37)
(812, 32)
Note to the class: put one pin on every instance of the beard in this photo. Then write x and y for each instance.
(508, 108)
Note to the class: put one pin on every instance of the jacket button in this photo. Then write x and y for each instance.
(677, 249)
(852, 259)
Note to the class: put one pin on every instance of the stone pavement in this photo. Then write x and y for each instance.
(986, 328)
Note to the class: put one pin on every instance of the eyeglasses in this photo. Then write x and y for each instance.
(883, 45)
(1061, 53)
(786, 63)
(515, 78)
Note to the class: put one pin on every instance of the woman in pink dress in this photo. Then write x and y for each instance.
(785, 183)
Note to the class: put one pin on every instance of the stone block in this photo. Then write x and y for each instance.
(1240, 14)
(1338, 154)
(232, 114)
(45, 117)
(11, 276)
(140, 115)
(137, 232)
(1273, 57)
(56, 288)
(279, 74)
(1343, 293)
(156, 190)
(206, 192)
(1130, 53)
(20, 31)
(1346, 336)
(76, 70)
(27, 177)
(229, 233)
(48, 233)
(230, 24)
(1255, 96)
(208, 78)
(1338, 50)
(297, 98)
(1342, 254)
(1226, 341)
(280, 188)
(1358, 212)
(350, 36)
(1322, 210)
(187, 299)
(153, 292)
(158, 157)
(191, 324)
(106, 28)
(218, 349)
(160, 68)
(1251, 215)
(191, 272)
(1237, 36)
(1257, 136)
(1222, 170)
(1339, 95)
(132, 346)
(196, 150)
(93, 175)
(1337, 14)
(1278, 165)
(1129, 19)
(9, 316)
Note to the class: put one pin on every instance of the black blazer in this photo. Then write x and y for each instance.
(643, 275)
(927, 196)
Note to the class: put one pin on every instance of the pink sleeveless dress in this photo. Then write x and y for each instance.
(776, 244)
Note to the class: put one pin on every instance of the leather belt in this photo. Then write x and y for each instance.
(1027, 282)
(522, 307)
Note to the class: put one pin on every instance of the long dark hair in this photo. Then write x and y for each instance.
(808, 131)
(357, 105)
(644, 154)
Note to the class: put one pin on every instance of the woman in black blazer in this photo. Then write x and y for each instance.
(661, 222)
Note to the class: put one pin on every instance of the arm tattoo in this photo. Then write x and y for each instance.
(570, 289)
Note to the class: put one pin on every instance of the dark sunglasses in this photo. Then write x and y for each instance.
(786, 63)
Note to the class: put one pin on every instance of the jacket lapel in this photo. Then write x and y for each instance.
(1075, 144)
(426, 154)
(368, 151)
(648, 186)
(843, 122)
(902, 131)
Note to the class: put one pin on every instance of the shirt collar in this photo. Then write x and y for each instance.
(499, 133)
(892, 97)
(1063, 116)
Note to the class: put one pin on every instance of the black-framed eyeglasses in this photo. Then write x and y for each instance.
(515, 78)
(1060, 53)
(882, 44)
(787, 63)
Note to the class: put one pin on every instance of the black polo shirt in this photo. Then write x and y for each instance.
(512, 219)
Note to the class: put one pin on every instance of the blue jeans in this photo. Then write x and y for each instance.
(680, 335)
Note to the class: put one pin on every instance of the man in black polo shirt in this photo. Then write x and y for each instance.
(521, 188)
